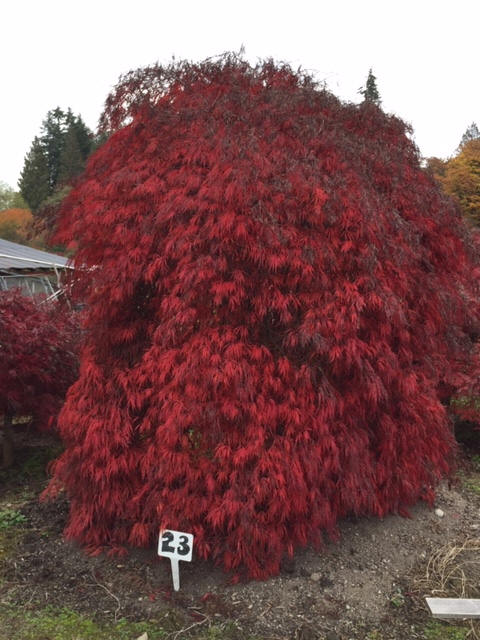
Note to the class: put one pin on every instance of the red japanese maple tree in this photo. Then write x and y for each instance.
(38, 361)
(280, 300)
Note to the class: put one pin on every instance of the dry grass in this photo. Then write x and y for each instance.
(453, 571)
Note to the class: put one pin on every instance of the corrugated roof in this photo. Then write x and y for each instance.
(15, 256)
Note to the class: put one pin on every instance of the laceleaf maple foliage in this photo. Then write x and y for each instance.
(465, 403)
(279, 301)
(38, 357)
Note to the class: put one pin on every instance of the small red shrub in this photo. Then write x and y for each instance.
(38, 357)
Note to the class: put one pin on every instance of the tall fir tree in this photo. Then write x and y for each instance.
(71, 161)
(54, 129)
(370, 91)
(34, 181)
(83, 134)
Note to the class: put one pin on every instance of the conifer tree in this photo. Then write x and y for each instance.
(53, 139)
(472, 133)
(71, 161)
(34, 181)
(84, 137)
(370, 92)
(65, 142)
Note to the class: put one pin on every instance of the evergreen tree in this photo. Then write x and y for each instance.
(34, 181)
(472, 133)
(370, 92)
(54, 129)
(72, 161)
(83, 135)
(57, 155)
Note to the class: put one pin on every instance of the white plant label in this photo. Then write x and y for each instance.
(177, 546)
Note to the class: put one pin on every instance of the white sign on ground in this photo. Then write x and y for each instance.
(177, 546)
(454, 607)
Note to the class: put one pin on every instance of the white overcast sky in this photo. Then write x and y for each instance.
(424, 53)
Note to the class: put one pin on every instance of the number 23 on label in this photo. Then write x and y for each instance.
(175, 544)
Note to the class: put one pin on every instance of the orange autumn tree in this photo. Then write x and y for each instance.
(461, 179)
(14, 225)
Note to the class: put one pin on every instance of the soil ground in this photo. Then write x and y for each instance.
(370, 585)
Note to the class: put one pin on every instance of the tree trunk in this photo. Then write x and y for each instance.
(6, 443)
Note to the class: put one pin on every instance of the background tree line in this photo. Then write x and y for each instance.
(55, 158)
